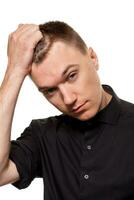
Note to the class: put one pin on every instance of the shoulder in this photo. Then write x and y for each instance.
(52, 120)
(127, 114)
(127, 108)
(48, 124)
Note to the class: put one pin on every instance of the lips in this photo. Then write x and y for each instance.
(78, 108)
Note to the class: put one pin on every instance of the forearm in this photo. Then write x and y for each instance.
(21, 44)
(9, 91)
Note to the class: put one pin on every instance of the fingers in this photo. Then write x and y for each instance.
(25, 29)
(21, 44)
(28, 34)
(36, 37)
(20, 25)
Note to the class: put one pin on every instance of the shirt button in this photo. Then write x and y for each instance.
(89, 147)
(86, 176)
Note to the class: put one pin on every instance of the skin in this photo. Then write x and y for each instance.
(21, 44)
(69, 81)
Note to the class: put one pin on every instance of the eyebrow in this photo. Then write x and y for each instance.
(67, 68)
(62, 74)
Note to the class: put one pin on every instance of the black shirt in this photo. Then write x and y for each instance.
(80, 160)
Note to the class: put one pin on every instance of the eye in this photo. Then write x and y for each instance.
(72, 76)
(50, 91)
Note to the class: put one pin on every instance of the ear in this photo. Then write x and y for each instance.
(93, 57)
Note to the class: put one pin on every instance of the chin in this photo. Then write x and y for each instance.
(86, 115)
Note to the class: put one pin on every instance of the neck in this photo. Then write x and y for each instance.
(106, 98)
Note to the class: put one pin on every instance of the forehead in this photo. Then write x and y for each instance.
(59, 57)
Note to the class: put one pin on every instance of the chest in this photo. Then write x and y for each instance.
(96, 164)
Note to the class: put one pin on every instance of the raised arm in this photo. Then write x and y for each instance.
(20, 49)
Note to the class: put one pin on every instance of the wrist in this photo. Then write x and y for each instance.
(13, 77)
(16, 72)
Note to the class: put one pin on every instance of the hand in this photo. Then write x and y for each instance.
(21, 44)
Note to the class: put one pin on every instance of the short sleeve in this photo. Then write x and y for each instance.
(25, 154)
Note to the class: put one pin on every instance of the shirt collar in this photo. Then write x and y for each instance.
(111, 112)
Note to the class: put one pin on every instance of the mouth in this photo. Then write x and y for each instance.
(79, 108)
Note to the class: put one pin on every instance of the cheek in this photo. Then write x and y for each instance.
(89, 86)
(88, 81)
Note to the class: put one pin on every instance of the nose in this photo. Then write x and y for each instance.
(68, 96)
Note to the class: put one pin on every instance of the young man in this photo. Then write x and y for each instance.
(85, 153)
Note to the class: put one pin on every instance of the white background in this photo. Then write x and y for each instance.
(106, 25)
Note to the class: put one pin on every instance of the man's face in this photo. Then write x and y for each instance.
(69, 80)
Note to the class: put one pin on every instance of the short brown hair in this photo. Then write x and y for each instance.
(56, 31)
